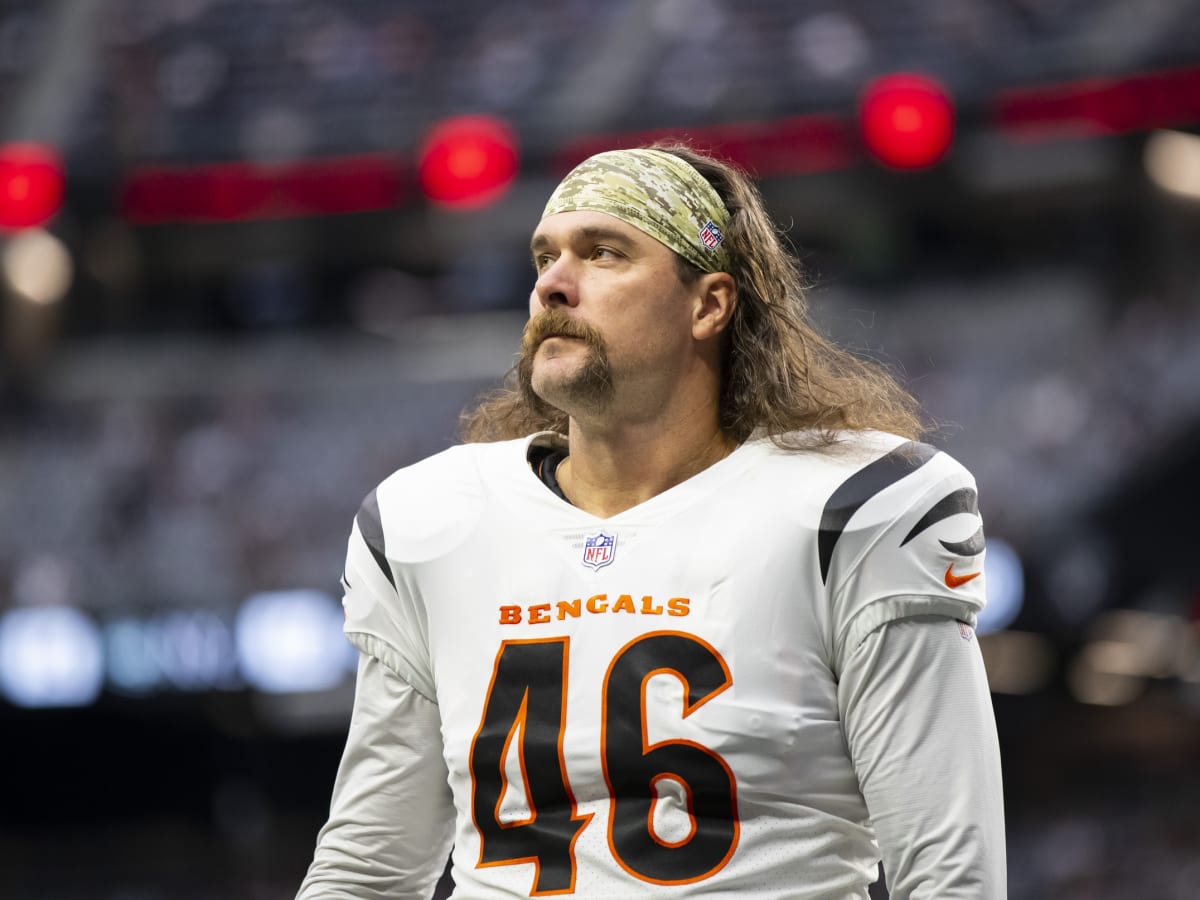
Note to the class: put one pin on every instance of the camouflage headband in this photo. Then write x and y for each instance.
(655, 192)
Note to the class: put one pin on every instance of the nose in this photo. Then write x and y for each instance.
(557, 285)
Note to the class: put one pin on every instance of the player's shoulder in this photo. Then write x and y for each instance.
(900, 533)
(423, 509)
(859, 466)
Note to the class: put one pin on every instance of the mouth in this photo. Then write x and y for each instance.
(553, 345)
(559, 336)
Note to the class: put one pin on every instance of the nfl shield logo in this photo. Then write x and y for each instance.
(599, 549)
(710, 235)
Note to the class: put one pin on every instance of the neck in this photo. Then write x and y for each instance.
(613, 468)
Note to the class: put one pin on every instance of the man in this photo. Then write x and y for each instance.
(691, 614)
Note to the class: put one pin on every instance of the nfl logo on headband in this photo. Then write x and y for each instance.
(710, 235)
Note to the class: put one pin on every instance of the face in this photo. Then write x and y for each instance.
(609, 317)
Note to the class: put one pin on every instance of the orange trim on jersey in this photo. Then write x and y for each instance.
(691, 811)
(518, 722)
(647, 747)
(575, 817)
(562, 758)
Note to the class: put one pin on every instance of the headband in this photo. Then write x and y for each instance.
(655, 192)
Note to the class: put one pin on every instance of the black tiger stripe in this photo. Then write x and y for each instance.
(370, 526)
(861, 487)
(964, 500)
(972, 546)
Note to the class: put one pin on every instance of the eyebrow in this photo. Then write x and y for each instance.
(591, 233)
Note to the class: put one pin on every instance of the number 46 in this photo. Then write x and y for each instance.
(526, 703)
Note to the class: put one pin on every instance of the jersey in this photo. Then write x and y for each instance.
(650, 701)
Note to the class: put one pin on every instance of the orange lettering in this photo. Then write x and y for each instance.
(541, 613)
(598, 603)
(624, 604)
(648, 607)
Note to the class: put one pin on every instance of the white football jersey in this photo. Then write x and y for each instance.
(647, 705)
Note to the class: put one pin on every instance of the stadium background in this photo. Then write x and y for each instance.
(256, 254)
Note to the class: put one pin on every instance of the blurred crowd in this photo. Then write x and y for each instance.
(271, 80)
(123, 503)
(163, 480)
(1051, 395)
(1107, 848)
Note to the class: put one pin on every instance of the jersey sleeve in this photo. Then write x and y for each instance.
(382, 620)
(918, 720)
(907, 539)
(416, 515)
(391, 819)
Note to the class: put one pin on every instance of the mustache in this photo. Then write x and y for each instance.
(556, 323)
(595, 384)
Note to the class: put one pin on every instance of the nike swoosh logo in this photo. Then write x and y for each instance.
(957, 581)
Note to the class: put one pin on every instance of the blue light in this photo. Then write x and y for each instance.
(50, 657)
(131, 657)
(1005, 577)
(291, 641)
(195, 651)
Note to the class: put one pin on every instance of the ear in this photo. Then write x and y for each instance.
(715, 299)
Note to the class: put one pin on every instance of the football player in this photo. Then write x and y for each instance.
(690, 612)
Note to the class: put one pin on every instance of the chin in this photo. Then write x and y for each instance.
(552, 388)
(571, 381)
(560, 369)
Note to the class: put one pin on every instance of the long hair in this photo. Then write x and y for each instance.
(780, 377)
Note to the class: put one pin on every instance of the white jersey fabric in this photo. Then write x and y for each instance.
(755, 684)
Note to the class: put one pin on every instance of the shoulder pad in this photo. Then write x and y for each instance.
(424, 510)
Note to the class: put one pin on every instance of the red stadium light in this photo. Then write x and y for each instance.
(31, 186)
(245, 192)
(907, 120)
(1101, 106)
(468, 162)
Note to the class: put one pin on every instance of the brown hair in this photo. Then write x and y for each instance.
(780, 376)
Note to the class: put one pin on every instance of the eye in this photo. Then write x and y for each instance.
(601, 252)
(541, 261)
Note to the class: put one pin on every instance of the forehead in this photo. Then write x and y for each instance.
(563, 227)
